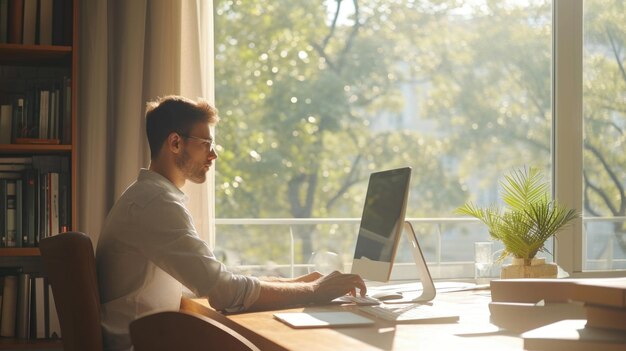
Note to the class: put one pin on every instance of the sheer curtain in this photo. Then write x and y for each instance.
(131, 52)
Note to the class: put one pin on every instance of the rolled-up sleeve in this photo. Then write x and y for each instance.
(172, 243)
(234, 293)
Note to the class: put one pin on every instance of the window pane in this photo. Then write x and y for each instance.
(604, 106)
(314, 97)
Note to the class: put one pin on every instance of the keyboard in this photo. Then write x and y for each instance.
(410, 313)
(359, 300)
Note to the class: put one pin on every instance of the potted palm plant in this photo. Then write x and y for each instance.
(528, 220)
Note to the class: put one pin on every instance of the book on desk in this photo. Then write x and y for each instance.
(599, 316)
(579, 313)
(604, 291)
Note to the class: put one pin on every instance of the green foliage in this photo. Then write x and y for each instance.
(530, 219)
(477, 76)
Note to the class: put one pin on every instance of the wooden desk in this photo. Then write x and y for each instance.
(472, 332)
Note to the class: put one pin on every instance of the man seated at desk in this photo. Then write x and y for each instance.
(149, 248)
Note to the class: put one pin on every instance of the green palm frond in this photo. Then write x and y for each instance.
(549, 218)
(530, 219)
(489, 216)
(524, 187)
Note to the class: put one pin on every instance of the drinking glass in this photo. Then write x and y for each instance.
(483, 261)
(325, 262)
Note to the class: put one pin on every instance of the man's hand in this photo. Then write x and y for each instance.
(313, 287)
(337, 284)
(307, 278)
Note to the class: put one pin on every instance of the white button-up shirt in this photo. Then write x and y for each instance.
(147, 248)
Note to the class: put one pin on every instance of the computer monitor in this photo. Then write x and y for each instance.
(382, 222)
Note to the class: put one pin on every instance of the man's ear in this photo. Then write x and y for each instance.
(174, 143)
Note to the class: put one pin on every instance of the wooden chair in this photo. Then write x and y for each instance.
(185, 331)
(69, 262)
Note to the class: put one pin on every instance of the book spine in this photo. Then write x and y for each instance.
(606, 317)
(43, 206)
(38, 303)
(31, 102)
(3, 212)
(43, 118)
(67, 111)
(9, 306)
(11, 214)
(30, 207)
(19, 213)
(19, 119)
(54, 325)
(67, 22)
(64, 196)
(16, 16)
(4, 21)
(23, 306)
(54, 203)
(45, 22)
(6, 121)
(54, 123)
(57, 22)
(30, 22)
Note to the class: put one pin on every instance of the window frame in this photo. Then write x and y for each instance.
(567, 131)
(567, 125)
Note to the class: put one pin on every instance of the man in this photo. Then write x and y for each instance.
(149, 247)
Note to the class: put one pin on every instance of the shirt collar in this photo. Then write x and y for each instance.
(148, 175)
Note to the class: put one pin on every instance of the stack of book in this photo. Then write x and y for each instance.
(603, 316)
(572, 314)
(34, 199)
(27, 309)
(37, 111)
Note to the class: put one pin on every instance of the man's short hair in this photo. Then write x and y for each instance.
(175, 114)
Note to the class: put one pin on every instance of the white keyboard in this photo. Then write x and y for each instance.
(359, 300)
(410, 313)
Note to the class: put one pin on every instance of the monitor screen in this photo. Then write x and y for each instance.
(381, 223)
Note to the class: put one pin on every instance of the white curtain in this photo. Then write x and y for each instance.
(131, 52)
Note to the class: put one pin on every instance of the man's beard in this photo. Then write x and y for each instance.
(193, 171)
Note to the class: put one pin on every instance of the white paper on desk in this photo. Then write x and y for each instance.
(322, 319)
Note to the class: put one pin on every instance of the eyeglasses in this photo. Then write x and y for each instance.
(209, 144)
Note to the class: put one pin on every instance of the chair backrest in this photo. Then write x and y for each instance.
(187, 331)
(70, 264)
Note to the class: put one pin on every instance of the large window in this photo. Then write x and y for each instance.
(316, 95)
(604, 113)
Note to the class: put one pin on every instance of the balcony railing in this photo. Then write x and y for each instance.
(447, 244)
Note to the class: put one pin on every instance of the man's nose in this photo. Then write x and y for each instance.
(213, 154)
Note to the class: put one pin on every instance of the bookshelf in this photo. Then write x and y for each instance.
(20, 53)
(16, 344)
(51, 59)
(17, 149)
(19, 252)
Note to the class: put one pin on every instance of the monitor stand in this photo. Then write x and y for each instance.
(428, 287)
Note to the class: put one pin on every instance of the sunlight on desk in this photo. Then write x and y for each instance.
(472, 332)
